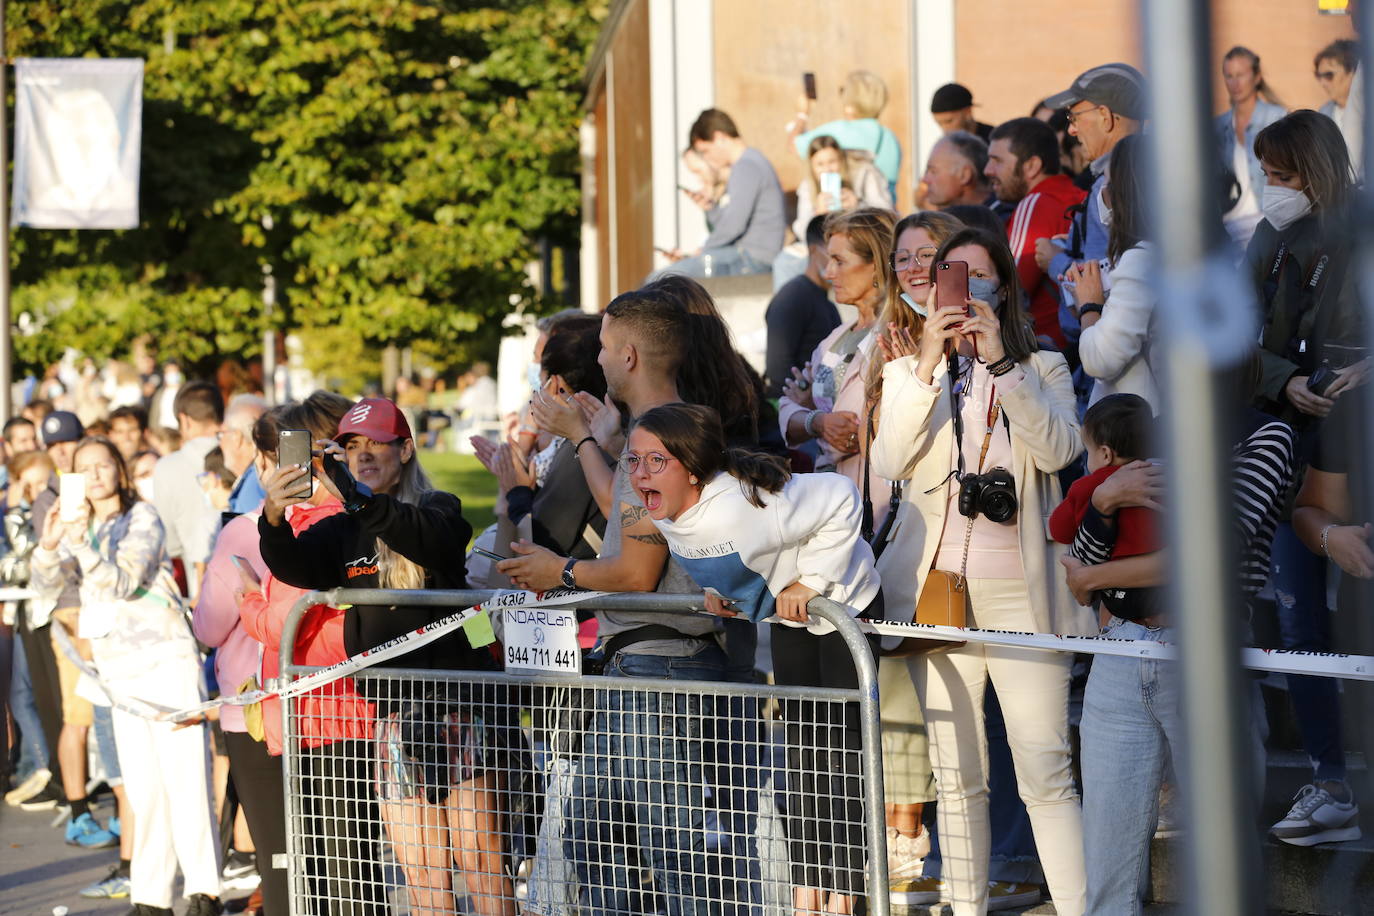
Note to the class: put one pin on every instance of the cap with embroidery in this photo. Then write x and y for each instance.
(1120, 87)
(62, 426)
(377, 418)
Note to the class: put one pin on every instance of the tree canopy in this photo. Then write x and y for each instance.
(392, 161)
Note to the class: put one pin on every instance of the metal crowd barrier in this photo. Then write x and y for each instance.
(504, 793)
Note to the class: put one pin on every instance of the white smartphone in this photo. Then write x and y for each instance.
(71, 496)
(831, 184)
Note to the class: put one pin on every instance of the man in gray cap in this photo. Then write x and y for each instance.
(952, 108)
(1105, 104)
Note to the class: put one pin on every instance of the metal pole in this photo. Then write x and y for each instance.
(1205, 325)
(6, 361)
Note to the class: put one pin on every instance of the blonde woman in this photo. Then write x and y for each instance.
(437, 760)
(864, 96)
(825, 402)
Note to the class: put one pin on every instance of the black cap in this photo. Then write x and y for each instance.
(62, 426)
(1118, 86)
(950, 97)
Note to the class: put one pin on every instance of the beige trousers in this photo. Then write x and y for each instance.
(1033, 688)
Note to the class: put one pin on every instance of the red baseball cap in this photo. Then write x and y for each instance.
(377, 418)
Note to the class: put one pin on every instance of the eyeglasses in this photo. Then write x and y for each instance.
(629, 462)
(1325, 76)
(905, 260)
(1075, 115)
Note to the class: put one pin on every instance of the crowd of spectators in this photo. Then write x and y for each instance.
(959, 401)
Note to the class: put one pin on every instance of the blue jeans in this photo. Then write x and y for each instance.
(33, 748)
(1131, 727)
(1305, 624)
(637, 800)
(731, 261)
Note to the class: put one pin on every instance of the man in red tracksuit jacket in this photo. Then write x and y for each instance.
(1023, 168)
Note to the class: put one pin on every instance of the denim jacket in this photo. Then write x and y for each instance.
(1265, 113)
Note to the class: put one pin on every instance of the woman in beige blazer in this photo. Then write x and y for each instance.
(1017, 412)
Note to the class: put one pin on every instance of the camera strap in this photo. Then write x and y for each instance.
(954, 407)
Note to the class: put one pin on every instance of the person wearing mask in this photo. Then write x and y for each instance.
(954, 171)
(859, 183)
(747, 224)
(1024, 171)
(1336, 67)
(1301, 263)
(1009, 414)
(800, 314)
(952, 108)
(1105, 104)
(188, 518)
(398, 532)
(864, 96)
(1115, 346)
(828, 404)
(1254, 106)
(142, 651)
(764, 542)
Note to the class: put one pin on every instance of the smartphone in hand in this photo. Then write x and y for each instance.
(246, 570)
(293, 448)
(809, 85)
(71, 496)
(951, 285)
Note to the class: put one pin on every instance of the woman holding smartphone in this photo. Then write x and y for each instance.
(398, 532)
(979, 397)
(744, 528)
(144, 652)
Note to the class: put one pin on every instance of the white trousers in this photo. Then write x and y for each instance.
(1033, 687)
(167, 778)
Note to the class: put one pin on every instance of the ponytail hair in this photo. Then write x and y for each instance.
(693, 435)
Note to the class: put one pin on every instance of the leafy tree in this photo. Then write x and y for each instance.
(392, 161)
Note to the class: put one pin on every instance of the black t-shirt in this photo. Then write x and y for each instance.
(798, 318)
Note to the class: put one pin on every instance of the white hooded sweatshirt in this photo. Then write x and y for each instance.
(808, 533)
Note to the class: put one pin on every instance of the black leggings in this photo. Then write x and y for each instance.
(346, 877)
(257, 777)
(825, 807)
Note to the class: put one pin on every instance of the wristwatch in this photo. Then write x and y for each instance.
(1088, 308)
(568, 578)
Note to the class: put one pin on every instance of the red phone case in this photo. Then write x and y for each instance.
(951, 284)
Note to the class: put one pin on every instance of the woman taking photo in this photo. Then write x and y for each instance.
(1115, 344)
(826, 403)
(144, 652)
(996, 404)
(398, 532)
(740, 525)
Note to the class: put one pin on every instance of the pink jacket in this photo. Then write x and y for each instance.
(334, 711)
(215, 619)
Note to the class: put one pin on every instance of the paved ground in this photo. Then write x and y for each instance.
(39, 872)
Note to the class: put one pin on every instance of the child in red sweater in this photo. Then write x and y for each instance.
(1116, 431)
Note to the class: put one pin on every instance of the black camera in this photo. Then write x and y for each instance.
(993, 494)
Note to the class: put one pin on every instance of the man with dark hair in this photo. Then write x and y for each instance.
(129, 430)
(952, 108)
(20, 435)
(748, 222)
(189, 519)
(954, 172)
(1105, 104)
(1024, 170)
(800, 314)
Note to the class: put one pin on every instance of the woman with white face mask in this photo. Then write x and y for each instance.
(1312, 349)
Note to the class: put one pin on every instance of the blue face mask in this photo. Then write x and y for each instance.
(532, 376)
(911, 304)
(984, 289)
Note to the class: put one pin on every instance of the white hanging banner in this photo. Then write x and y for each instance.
(78, 126)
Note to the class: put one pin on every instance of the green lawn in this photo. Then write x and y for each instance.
(464, 476)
